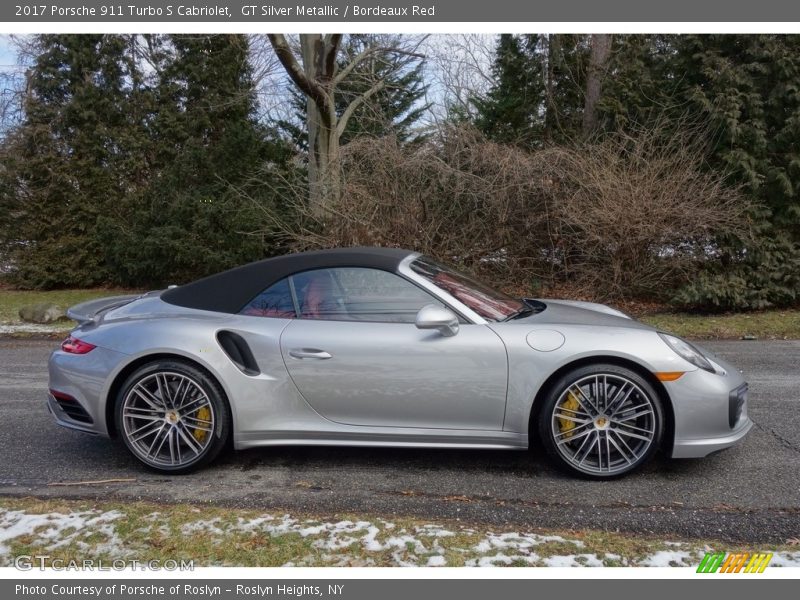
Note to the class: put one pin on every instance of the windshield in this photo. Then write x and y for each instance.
(488, 303)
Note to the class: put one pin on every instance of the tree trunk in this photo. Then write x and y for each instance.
(324, 180)
(317, 78)
(550, 109)
(598, 58)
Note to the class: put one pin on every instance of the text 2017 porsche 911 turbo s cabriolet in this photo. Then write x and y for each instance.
(385, 347)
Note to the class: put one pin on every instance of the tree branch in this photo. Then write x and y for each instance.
(332, 43)
(366, 53)
(351, 108)
(308, 86)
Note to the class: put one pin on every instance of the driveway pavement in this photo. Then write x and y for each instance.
(750, 493)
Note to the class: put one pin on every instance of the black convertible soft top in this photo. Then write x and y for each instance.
(231, 290)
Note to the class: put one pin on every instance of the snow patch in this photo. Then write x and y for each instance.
(785, 559)
(60, 529)
(336, 543)
(517, 541)
(668, 558)
(433, 531)
(33, 328)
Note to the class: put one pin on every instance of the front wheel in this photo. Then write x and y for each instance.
(172, 416)
(601, 421)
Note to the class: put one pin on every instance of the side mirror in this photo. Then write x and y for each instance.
(434, 316)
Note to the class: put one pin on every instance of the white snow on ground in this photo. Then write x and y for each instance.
(518, 541)
(431, 531)
(500, 559)
(436, 561)
(60, 529)
(671, 558)
(341, 542)
(785, 559)
(574, 560)
(202, 527)
(33, 328)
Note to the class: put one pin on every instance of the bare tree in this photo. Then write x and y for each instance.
(317, 72)
(598, 58)
(268, 76)
(624, 215)
(460, 69)
(638, 212)
(13, 81)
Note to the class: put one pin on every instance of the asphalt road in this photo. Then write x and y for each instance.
(750, 493)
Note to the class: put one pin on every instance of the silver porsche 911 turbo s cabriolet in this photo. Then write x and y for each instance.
(385, 347)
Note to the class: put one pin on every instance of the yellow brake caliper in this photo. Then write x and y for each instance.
(566, 426)
(203, 414)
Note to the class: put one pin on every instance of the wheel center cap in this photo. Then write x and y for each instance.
(172, 417)
(601, 422)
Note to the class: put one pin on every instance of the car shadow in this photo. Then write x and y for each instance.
(523, 464)
(103, 457)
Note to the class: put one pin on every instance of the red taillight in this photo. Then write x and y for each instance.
(75, 346)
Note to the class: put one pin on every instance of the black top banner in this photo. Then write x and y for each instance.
(421, 11)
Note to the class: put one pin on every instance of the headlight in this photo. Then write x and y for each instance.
(687, 352)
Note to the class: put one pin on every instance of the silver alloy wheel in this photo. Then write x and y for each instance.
(168, 419)
(603, 424)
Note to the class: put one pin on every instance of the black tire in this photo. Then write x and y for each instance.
(214, 425)
(567, 433)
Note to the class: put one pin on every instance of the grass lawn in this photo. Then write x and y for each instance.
(768, 324)
(12, 300)
(212, 536)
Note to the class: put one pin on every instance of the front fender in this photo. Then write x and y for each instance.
(529, 369)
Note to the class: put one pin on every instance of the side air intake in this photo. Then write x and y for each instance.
(238, 351)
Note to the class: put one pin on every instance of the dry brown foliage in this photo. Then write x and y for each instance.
(620, 216)
(638, 213)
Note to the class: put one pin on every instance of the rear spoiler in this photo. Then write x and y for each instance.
(86, 312)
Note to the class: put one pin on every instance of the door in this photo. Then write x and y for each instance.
(357, 357)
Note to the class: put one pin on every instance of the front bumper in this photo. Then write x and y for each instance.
(699, 448)
(710, 411)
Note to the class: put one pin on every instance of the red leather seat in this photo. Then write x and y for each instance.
(318, 300)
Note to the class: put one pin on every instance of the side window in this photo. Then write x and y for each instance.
(358, 294)
(275, 301)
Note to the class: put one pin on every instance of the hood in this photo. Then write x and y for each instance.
(568, 312)
(603, 308)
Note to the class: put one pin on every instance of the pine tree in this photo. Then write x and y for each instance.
(748, 88)
(135, 175)
(397, 108)
(566, 59)
(743, 92)
(62, 164)
(645, 83)
(511, 112)
(203, 210)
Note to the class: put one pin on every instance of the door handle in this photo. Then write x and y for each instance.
(309, 353)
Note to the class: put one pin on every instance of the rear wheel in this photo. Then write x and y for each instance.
(172, 416)
(601, 421)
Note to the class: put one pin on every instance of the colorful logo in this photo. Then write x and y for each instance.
(734, 562)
